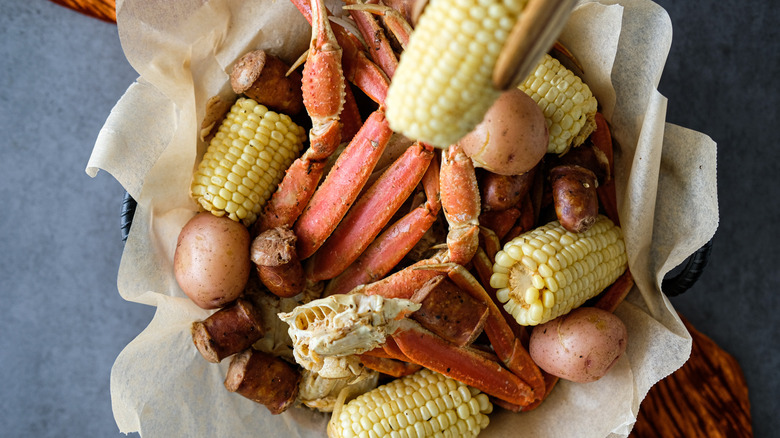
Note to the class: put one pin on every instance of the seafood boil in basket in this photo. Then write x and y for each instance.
(361, 262)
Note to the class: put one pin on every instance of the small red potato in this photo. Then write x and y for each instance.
(580, 346)
(512, 138)
(211, 263)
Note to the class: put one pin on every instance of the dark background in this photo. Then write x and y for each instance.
(64, 322)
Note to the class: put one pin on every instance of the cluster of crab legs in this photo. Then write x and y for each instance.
(342, 224)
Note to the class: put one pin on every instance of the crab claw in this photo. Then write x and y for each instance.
(323, 83)
(461, 203)
(508, 348)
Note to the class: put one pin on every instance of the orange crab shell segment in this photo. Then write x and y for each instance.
(387, 365)
(371, 212)
(462, 364)
(336, 194)
(460, 201)
(503, 340)
(357, 68)
(378, 46)
(323, 79)
(390, 247)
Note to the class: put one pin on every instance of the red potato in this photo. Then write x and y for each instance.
(211, 263)
(580, 346)
(512, 138)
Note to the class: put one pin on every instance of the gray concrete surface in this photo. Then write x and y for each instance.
(60, 75)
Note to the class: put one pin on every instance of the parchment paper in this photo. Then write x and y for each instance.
(161, 387)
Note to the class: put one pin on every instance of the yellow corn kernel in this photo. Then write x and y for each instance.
(241, 167)
(587, 263)
(568, 105)
(423, 404)
(445, 74)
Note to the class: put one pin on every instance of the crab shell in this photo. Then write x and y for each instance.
(321, 393)
(328, 332)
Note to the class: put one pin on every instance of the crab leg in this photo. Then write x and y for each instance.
(420, 346)
(460, 201)
(387, 365)
(463, 364)
(506, 345)
(378, 45)
(394, 20)
(323, 96)
(358, 69)
(371, 212)
(404, 283)
(405, 8)
(390, 247)
(323, 84)
(341, 187)
(328, 334)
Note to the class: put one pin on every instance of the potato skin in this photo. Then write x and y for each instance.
(512, 138)
(211, 262)
(580, 346)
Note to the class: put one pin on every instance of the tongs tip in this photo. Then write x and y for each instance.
(533, 35)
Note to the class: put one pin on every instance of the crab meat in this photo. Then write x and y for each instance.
(328, 333)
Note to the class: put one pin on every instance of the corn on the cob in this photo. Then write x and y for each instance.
(445, 74)
(246, 160)
(548, 271)
(423, 404)
(568, 105)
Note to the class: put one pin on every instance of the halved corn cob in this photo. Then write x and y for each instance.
(423, 404)
(568, 105)
(246, 160)
(548, 271)
(445, 74)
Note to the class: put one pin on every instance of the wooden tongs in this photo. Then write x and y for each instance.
(531, 37)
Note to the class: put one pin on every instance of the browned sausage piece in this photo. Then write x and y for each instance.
(587, 156)
(228, 331)
(500, 192)
(525, 221)
(500, 221)
(263, 378)
(449, 312)
(263, 77)
(575, 197)
(273, 252)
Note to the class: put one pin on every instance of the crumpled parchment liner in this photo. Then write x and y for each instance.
(667, 197)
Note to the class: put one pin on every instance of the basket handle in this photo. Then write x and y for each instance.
(126, 215)
(672, 286)
(690, 273)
